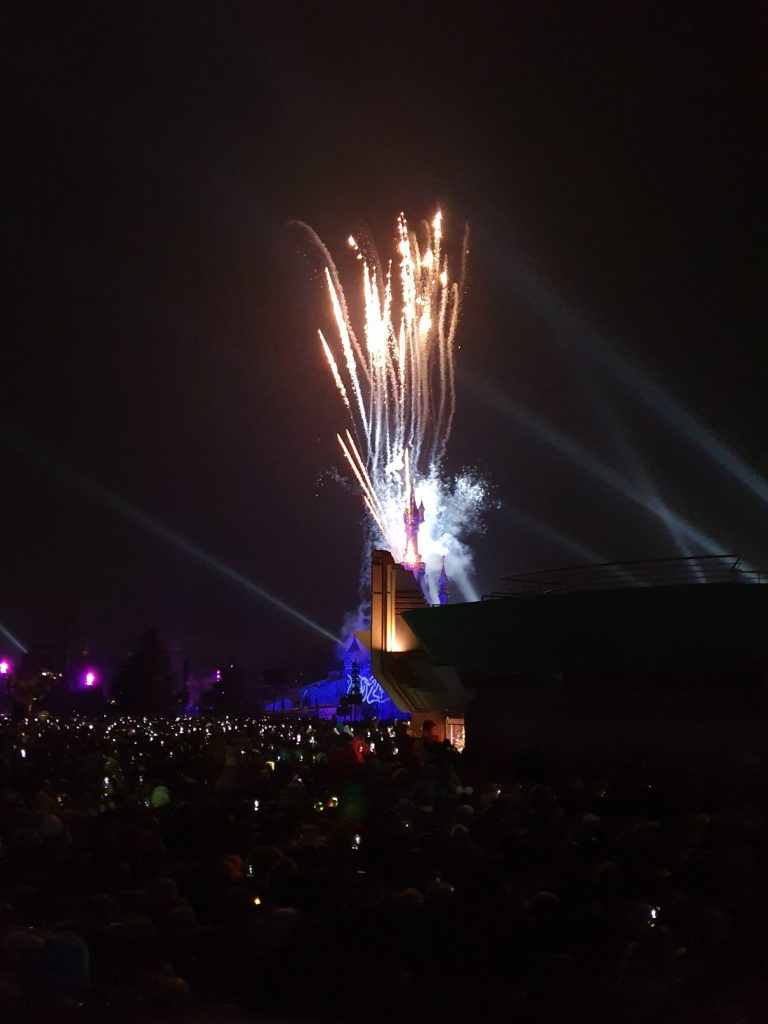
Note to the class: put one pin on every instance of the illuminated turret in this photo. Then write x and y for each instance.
(442, 585)
(413, 517)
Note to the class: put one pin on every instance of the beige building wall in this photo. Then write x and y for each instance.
(397, 659)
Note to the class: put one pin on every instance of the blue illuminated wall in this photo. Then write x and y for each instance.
(322, 697)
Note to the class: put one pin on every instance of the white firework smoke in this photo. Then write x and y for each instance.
(398, 386)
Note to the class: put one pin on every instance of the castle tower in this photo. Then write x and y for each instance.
(413, 517)
(443, 585)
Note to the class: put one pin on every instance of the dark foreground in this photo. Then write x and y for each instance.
(278, 871)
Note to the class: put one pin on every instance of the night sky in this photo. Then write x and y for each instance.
(160, 355)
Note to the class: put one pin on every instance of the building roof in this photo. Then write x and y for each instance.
(715, 628)
(655, 572)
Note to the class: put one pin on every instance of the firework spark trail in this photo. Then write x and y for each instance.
(335, 371)
(346, 335)
(397, 381)
(353, 457)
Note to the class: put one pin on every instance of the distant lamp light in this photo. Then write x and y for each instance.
(90, 678)
(5, 668)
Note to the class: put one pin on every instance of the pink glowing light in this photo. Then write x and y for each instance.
(5, 668)
(90, 678)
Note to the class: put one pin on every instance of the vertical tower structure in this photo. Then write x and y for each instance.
(443, 585)
(413, 517)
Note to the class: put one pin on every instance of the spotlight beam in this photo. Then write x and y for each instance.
(619, 433)
(130, 512)
(688, 424)
(554, 536)
(16, 643)
(584, 458)
(461, 578)
(570, 327)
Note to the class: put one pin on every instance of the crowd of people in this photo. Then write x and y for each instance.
(286, 868)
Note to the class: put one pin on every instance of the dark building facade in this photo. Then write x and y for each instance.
(672, 671)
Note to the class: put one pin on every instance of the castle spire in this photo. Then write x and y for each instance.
(442, 585)
(413, 517)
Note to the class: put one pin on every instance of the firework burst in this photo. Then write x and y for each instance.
(396, 380)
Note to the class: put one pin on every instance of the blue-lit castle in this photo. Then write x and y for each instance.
(351, 690)
(325, 696)
(339, 690)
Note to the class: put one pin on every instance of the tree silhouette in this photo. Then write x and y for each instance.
(28, 690)
(147, 684)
